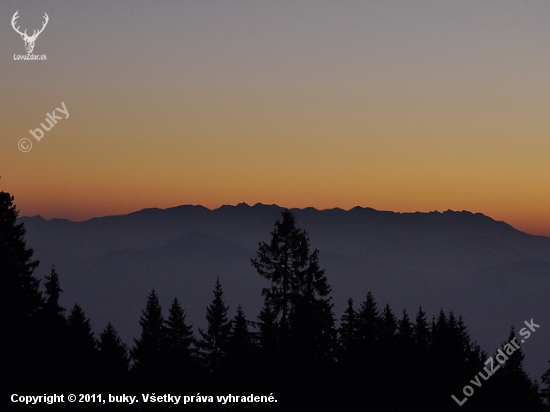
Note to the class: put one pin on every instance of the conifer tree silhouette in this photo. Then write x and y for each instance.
(20, 297)
(348, 378)
(53, 293)
(388, 325)
(147, 352)
(240, 339)
(238, 364)
(378, 361)
(54, 333)
(517, 391)
(284, 262)
(213, 345)
(405, 330)
(369, 335)
(388, 357)
(348, 335)
(114, 360)
(405, 374)
(82, 352)
(369, 362)
(298, 299)
(20, 301)
(299, 295)
(112, 347)
(180, 366)
(178, 334)
(421, 331)
(80, 329)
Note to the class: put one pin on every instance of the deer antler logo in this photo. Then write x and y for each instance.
(29, 40)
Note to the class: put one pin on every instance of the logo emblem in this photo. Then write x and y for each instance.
(29, 40)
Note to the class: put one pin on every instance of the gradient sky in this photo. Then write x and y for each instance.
(396, 105)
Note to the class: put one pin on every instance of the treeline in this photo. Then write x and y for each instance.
(294, 348)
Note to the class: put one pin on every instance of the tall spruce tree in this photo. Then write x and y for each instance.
(420, 385)
(213, 344)
(421, 331)
(284, 262)
(348, 335)
(80, 330)
(178, 334)
(299, 298)
(53, 293)
(240, 344)
(20, 301)
(20, 297)
(388, 325)
(113, 356)
(82, 352)
(518, 391)
(147, 351)
(388, 362)
(299, 294)
(240, 350)
(404, 357)
(405, 330)
(369, 324)
(179, 348)
(56, 344)
(348, 379)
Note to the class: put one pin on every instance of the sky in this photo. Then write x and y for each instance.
(413, 105)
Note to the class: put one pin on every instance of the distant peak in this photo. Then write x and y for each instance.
(272, 205)
(37, 219)
(241, 205)
(187, 206)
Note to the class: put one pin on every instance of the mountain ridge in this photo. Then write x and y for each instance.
(487, 270)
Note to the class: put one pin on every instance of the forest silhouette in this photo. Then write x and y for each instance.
(296, 348)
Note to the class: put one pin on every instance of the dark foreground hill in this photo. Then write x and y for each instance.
(487, 271)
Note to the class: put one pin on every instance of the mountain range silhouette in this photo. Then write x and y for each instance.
(487, 271)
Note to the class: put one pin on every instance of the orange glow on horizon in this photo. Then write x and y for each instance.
(377, 104)
(88, 209)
